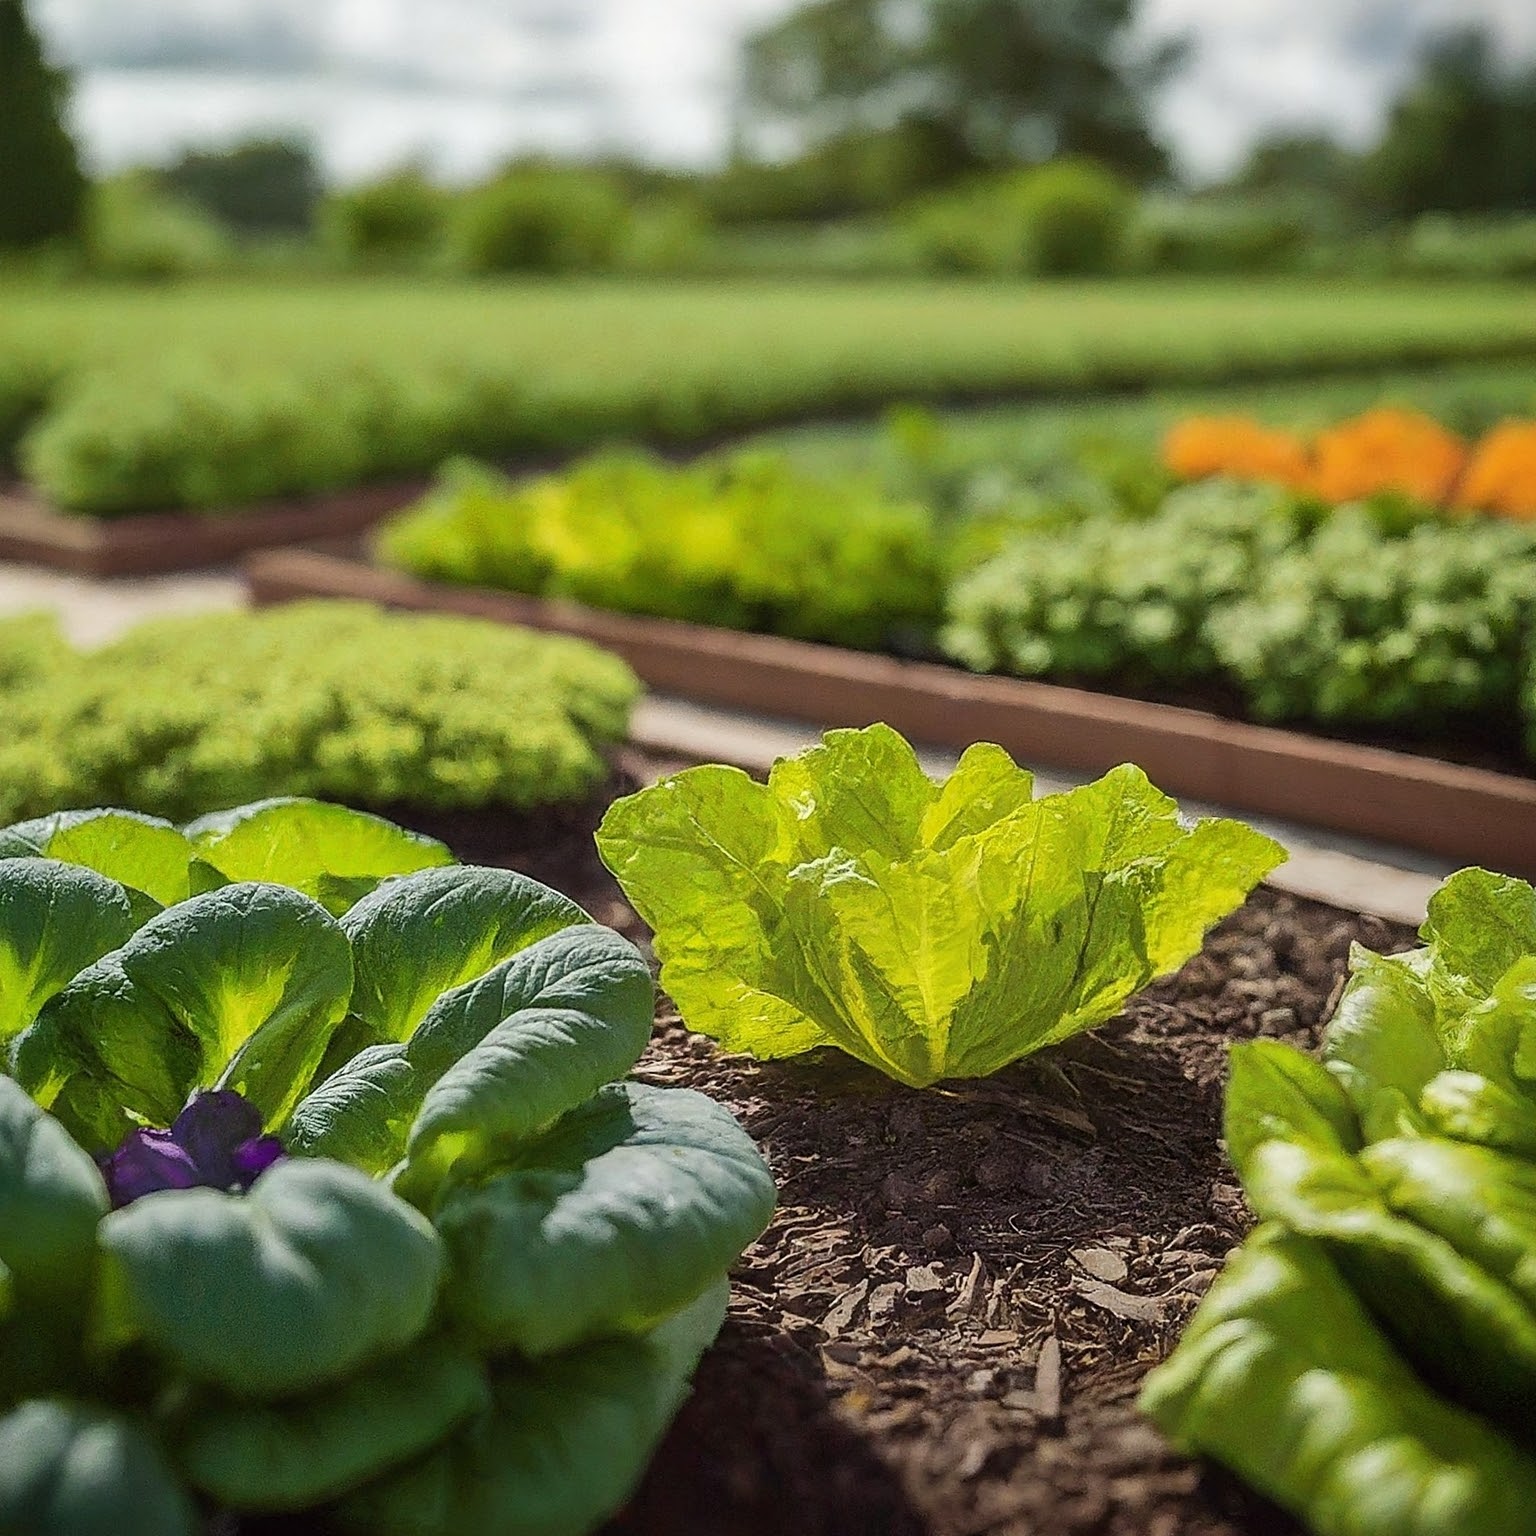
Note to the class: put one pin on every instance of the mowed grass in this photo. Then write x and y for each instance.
(159, 385)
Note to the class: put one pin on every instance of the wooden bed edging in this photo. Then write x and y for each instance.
(151, 543)
(1472, 815)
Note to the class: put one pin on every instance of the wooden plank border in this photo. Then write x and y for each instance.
(146, 544)
(1471, 815)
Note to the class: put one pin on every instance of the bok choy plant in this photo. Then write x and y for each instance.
(319, 1190)
(1369, 1358)
(932, 931)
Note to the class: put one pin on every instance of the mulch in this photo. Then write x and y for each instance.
(945, 1328)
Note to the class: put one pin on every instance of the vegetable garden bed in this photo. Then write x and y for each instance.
(945, 1328)
(1465, 813)
(146, 544)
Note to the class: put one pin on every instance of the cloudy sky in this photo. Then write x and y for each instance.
(462, 83)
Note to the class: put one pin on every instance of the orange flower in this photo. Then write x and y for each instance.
(1237, 446)
(1502, 475)
(1388, 450)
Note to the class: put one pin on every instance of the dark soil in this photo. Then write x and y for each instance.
(944, 1330)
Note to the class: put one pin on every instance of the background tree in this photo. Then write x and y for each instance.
(1016, 80)
(42, 189)
(264, 187)
(1462, 137)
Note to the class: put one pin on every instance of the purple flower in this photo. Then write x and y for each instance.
(216, 1143)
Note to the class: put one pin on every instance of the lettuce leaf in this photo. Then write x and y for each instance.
(930, 931)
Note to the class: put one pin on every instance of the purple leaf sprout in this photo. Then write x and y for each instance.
(216, 1143)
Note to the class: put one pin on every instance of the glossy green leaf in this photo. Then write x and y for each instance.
(494, 1061)
(421, 936)
(1462, 1321)
(51, 1197)
(290, 1456)
(1276, 1093)
(143, 853)
(630, 1207)
(69, 1470)
(318, 1271)
(563, 1447)
(1480, 924)
(329, 852)
(55, 920)
(1284, 1377)
(931, 932)
(240, 988)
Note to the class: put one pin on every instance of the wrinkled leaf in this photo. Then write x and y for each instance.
(318, 1271)
(289, 1456)
(494, 1061)
(630, 1207)
(69, 1470)
(1276, 1093)
(418, 937)
(329, 852)
(240, 988)
(1479, 925)
(1284, 1377)
(563, 1447)
(143, 853)
(55, 920)
(929, 931)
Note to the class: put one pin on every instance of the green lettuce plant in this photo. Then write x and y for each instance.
(319, 1189)
(930, 931)
(1369, 1359)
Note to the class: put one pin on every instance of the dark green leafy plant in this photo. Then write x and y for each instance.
(337, 700)
(341, 1212)
(747, 543)
(1369, 1359)
(930, 931)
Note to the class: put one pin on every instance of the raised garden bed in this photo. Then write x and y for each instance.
(945, 1328)
(146, 544)
(1469, 814)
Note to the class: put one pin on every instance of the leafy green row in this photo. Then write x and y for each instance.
(1358, 617)
(929, 931)
(1369, 1358)
(744, 543)
(336, 700)
(209, 394)
(370, 1228)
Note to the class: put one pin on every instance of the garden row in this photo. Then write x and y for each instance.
(1380, 611)
(215, 397)
(330, 1190)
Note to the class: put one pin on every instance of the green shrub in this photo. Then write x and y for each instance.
(135, 229)
(540, 219)
(397, 219)
(667, 235)
(1065, 218)
(1210, 237)
(1417, 631)
(332, 700)
(1443, 246)
(1108, 597)
(745, 543)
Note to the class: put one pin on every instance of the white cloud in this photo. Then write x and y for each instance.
(467, 82)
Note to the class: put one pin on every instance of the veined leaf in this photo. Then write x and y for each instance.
(54, 921)
(289, 1456)
(329, 852)
(562, 1447)
(240, 988)
(929, 931)
(143, 853)
(629, 1208)
(494, 1062)
(69, 1470)
(316, 1272)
